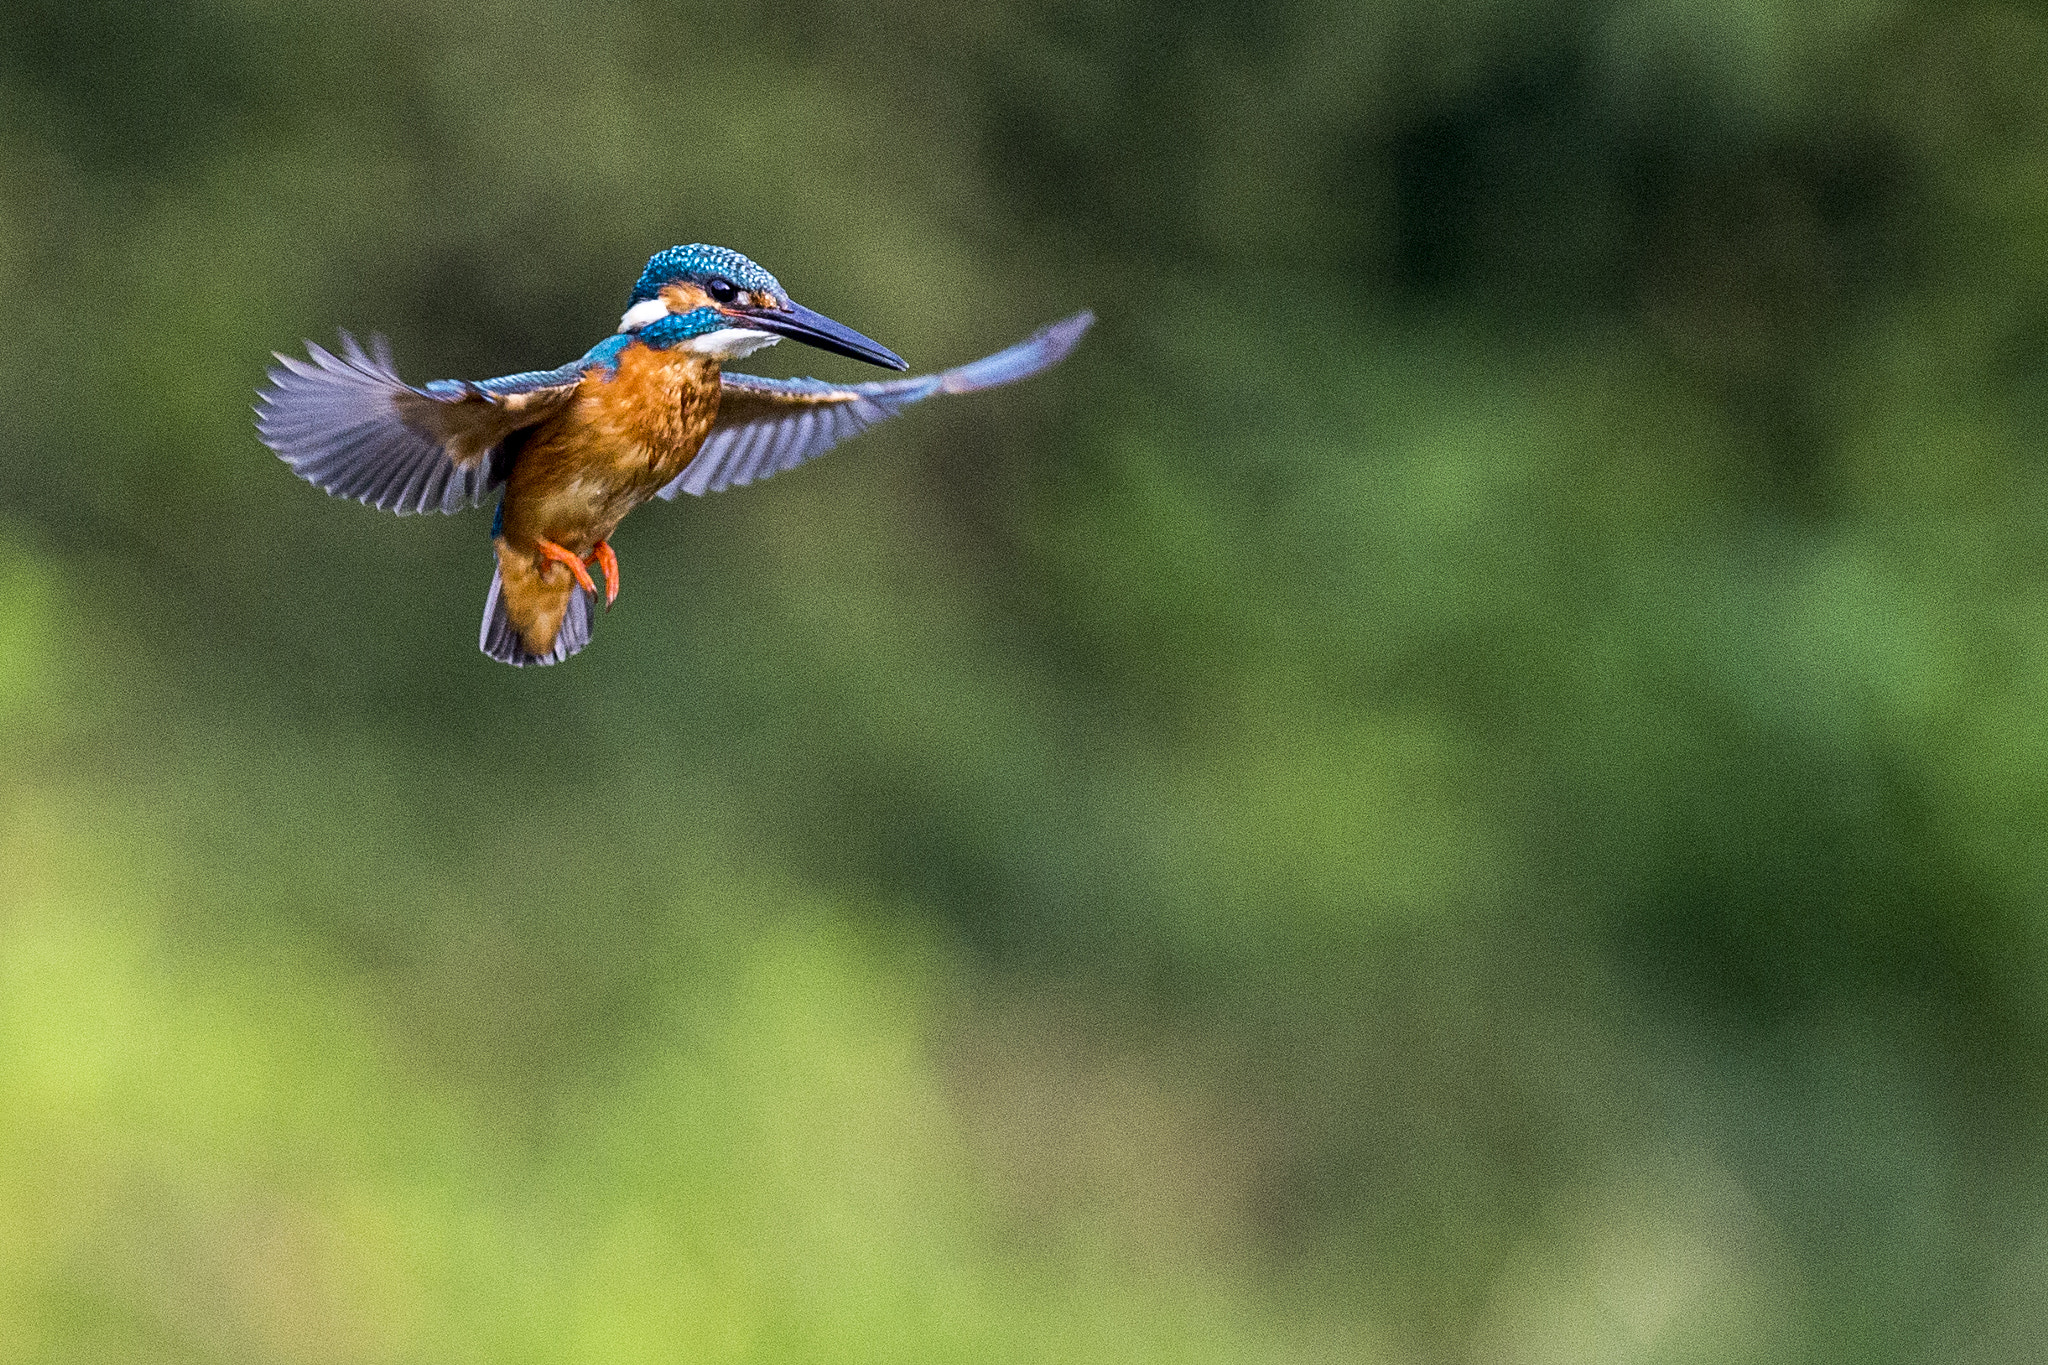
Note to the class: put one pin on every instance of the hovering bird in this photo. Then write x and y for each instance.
(645, 413)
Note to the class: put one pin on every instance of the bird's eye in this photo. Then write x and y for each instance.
(721, 290)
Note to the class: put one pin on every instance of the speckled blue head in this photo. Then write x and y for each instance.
(721, 305)
(699, 264)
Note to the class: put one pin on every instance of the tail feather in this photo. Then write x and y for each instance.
(502, 641)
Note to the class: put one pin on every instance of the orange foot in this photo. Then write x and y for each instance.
(549, 550)
(605, 560)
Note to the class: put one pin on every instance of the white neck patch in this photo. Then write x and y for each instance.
(642, 313)
(730, 343)
(727, 343)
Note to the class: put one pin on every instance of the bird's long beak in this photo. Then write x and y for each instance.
(799, 323)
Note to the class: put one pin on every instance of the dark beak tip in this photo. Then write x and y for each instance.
(799, 323)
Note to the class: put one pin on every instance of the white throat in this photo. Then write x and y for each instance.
(727, 343)
(730, 343)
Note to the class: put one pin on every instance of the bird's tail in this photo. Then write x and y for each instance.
(503, 641)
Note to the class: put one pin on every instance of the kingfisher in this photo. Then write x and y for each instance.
(649, 412)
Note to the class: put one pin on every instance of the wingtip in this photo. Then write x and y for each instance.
(1040, 351)
(1065, 334)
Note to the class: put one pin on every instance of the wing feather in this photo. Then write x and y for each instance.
(348, 425)
(766, 426)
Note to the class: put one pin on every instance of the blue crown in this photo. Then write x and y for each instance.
(697, 263)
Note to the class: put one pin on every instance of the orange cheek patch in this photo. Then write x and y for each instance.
(684, 298)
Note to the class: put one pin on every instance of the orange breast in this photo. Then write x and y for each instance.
(622, 437)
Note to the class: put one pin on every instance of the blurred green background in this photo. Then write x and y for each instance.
(1465, 783)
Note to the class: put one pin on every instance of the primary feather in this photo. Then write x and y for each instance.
(348, 425)
(766, 426)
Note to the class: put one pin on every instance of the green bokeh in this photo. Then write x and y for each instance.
(1465, 783)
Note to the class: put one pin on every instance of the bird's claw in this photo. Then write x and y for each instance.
(550, 550)
(608, 563)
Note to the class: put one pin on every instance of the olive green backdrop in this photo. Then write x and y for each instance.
(1468, 782)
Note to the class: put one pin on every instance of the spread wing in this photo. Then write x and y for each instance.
(349, 425)
(768, 425)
